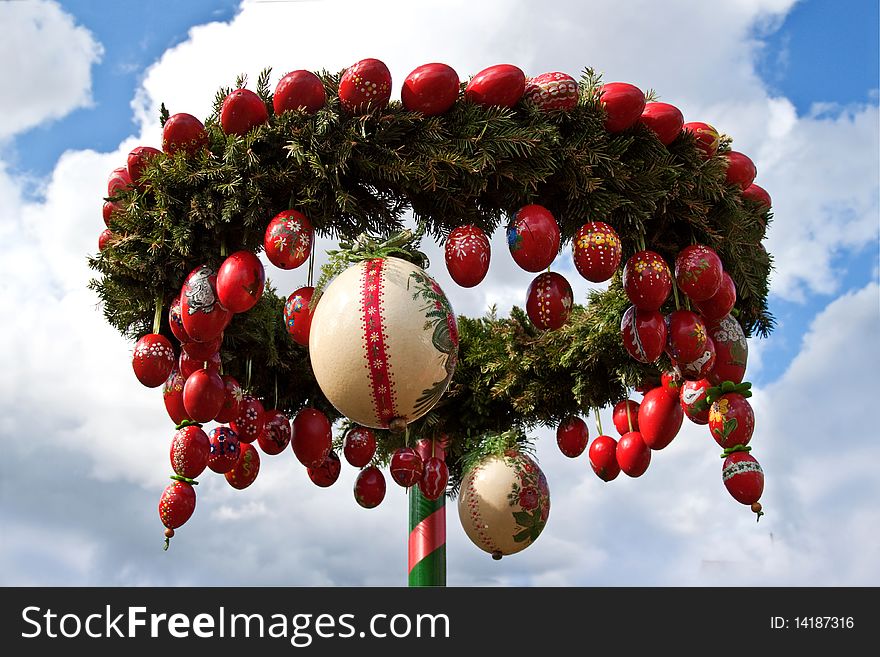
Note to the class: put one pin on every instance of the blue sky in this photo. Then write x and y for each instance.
(796, 85)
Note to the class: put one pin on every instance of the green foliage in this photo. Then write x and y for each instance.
(354, 175)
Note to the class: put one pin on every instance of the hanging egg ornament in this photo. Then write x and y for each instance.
(700, 367)
(240, 281)
(369, 487)
(428, 447)
(186, 365)
(643, 333)
(359, 446)
(698, 271)
(626, 416)
(288, 239)
(327, 473)
(596, 251)
(660, 417)
(551, 91)
(664, 120)
(671, 381)
(246, 468)
(731, 420)
(177, 504)
(731, 350)
(225, 448)
(275, 436)
(572, 436)
(693, 400)
(501, 85)
(153, 360)
(383, 342)
(533, 238)
(720, 303)
(759, 195)
(467, 254)
(431, 89)
(633, 455)
(241, 111)
(138, 160)
(743, 478)
(623, 104)
(603, 458)
(686, 336)
(504, 503)
(299, 90)
(184, 132)
(248, 424)
(175, 321)
(190, 450)
(298, 316)
(434, 479)
(706, 137)
(549, 301)
(312, 437)
(199, 352)
(647, 280)
(203, 317)
(406, 467)
(365, 86)
(203, 395)
(741, 171)
(172, 395)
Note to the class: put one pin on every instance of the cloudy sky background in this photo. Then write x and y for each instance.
(85, 447)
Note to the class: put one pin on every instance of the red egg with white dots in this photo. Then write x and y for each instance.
(647, 280)
(298, 315)
(549, 301)
(153, 360)
(225, 449)
(551, 91)
(248, 424)
(596, 251)
(190, 450)
(365, 86)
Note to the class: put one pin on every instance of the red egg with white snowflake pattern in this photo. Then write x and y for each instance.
(549, 301)
(698, 271)
(693, 400)
(299, 90)
(758, 194)
(467, 254)
(720, 303)
(603, 458)
(327, 473)
(275, 436)
(177, 504)
(369, 487)
(312, 437)
(190, 449)
(643, 333)
(118, 181)
(246, 468)
(572, 436)
(623, 104)
(359, 446)
(231, 400)
(664, 120)
(633, 455)
(288, 239)
(248, 424)
(184, 132)
(298, 316)
(700, 367)
(731, 420)
(240, 281)
(186, 365)
(596, 251)
(551, 91)
(501, 85)
(434, 479)
(647, 280)
(707, 137)
(172, 395)
(406, 467)
(201, 313)
(533, 238)
(731, 350)
(743, 477)
(175, 321)
(225, 449)
(686, 336)
(365, 86)
(741, 170)
(203, 395)
(430, 89)
(626, 416)
(153, 360)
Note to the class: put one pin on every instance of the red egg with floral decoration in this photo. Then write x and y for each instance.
(153, 360)
(276, 433)
(406, 467)
(647, 280)
(190, 449)
(312, 437)
(298, 315)
(186, 364)
(596, 251)
(288, 239)
(686, 336)
(241, 111)
(184, 132)
(731, 350)
(467, 253)
(572, 436)
(533, 238)
(741, 170)
(327, 473)
(643, 333)
(225, 449)
(693, 400)
(501, 85)
(434, 479)
(707, 137)
(248, 424)
(603, 458)
(664, 120)
(240, 281)
(633, 455)
(359, 446)
(731, 420)
(430, 89)
(551, 91)
(299, 90)
(743, 477)
(700, 367)
(626, 416)
(719, 304)
(369, 487)
(549, 301)
(246, 468)
(172, 395)
(623, 104)
(201, 312)
(698, 271)
(177, 504)
(365, 86)
(660, 417)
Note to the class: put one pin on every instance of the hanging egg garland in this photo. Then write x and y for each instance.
(603, 458)
(190, 450)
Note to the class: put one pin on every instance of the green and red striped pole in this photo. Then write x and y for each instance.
(427, 539)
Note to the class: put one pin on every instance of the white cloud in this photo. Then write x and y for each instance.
(48, 60)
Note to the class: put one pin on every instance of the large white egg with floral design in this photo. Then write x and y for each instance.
(383, 342)
(504, 503)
